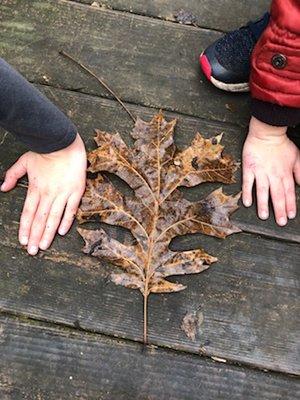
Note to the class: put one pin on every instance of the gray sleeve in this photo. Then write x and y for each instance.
(30, 116)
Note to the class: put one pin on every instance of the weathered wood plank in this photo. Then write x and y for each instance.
(107, 115)
(255, 293)
(213, 14)
(145, 60)
(39, 361)
(249, 299)
(90, 112)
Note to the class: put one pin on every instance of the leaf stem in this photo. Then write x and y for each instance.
(101, 81)
(148, 271)
(146, 315)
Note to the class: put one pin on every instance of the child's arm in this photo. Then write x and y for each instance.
(269, 157)
(29, 115)
(56, 164)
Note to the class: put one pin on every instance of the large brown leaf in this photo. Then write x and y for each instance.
(158, 212)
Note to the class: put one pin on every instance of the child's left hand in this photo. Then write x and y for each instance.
(272, 160)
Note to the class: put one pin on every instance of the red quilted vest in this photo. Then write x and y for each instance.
(275, 75)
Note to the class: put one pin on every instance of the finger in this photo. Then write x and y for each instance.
(38, 225)
(69, 214)
(297, 171)
(248, 180)
(28, 213)
(53, 222)
(290, 197)
(262, 194)
(12, 175)
(278, 200)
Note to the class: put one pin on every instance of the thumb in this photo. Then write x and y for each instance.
(15, 172)
(297, 171)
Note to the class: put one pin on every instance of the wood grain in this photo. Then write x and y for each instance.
(89, 112)
(249, 299)
(212, 14)
(145, 60)
(40, 361)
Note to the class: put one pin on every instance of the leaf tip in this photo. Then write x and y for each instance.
(219, 138)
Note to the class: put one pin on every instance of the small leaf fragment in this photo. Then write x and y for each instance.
(191, 324)
(185, 17)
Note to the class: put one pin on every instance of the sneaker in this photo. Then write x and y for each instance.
(226, 62)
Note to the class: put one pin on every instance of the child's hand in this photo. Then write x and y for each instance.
(56, 185)
(273, 161)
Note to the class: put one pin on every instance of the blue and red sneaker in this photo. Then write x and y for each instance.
(226, 62)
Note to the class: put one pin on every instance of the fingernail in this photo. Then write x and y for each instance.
(292, 215)
(43, 245)
(282, 221)
(247, 203)
(3, 186)
(33, 250)
(24, 240)
(62, 231)
(264, 215)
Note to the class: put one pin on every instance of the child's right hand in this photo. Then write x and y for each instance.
(272, 160)
(56, 184)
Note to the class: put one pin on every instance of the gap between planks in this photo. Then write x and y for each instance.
(267, 233)
(79, 3)
(64, 327)
(79, 92)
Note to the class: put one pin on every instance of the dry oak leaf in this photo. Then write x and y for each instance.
(158, 212)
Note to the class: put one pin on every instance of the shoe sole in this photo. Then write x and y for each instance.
(227, 87)
(230, 87)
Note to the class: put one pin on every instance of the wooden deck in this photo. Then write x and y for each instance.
(66, 331)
